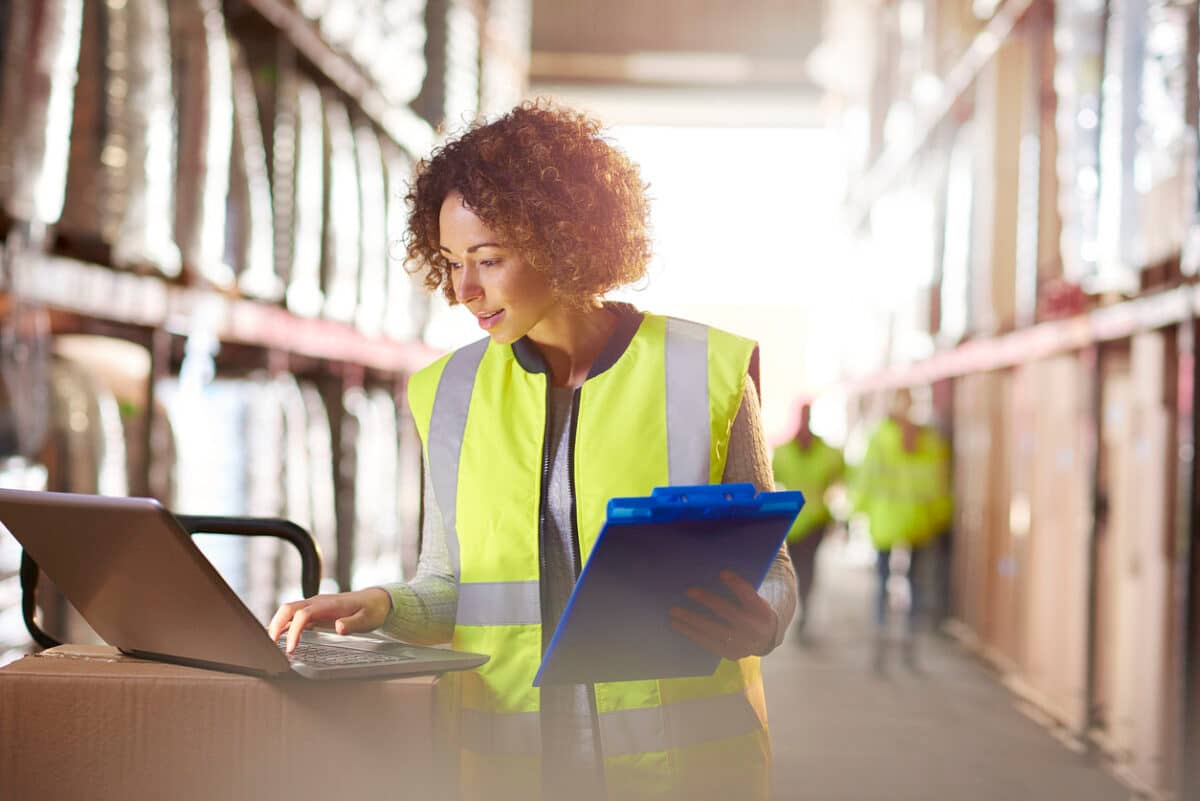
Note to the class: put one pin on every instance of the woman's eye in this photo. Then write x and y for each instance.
(490, 262)
(453, 265)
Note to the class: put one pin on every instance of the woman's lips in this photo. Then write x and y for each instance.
(486, 321)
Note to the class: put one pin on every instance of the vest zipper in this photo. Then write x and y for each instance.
(544, 492)
(571, 483)
(542, 503)
(577, 549)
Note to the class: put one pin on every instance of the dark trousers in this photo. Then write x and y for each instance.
(804, 562)
(883, 569)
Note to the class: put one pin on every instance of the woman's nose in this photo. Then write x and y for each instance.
(468, 287)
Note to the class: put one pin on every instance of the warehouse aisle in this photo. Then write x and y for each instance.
(950, 733)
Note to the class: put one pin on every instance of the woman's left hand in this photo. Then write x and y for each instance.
(745, 626)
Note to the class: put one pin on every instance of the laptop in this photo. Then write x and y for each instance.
(140, 581)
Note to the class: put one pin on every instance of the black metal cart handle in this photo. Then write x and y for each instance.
(310, 558)
(29, 581)
(301, 540)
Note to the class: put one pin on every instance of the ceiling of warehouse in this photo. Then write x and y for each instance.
(680, 61)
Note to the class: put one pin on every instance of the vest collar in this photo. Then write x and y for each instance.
(629, 319)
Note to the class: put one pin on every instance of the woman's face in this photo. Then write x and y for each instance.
(506, 295)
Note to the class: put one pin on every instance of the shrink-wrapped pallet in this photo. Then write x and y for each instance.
(1079, 60)
(398, 64)
(321, 486)
(1143, 139)
(383, 415)
(373, 233)
(296, 501)
(299, 194)
(367, 37)
(376, 483)
(89, 442)
(407, 302)
(265, 498)
(341, 250)
(120, 197)
(203, 88)
(37, 96)
(207, 422)
(255, 251)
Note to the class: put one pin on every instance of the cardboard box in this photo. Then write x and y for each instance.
(87, 722)
(1150, 366)
(1003, 568)
(1057, 605)
(973, 443)
(1150, 574)
(1116, 614)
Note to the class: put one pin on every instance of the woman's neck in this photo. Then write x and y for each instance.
(571, 342)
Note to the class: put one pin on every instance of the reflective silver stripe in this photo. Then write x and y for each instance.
(447, 423)
(501, 733)
(678, 725)
(499, 603)
(688, 430)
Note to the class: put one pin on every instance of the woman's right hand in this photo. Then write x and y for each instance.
(350, 613)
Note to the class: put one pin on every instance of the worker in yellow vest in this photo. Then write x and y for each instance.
(528, 221)
(809, 464)
(902, 488)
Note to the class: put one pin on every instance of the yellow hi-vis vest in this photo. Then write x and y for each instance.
(905, 495)
(811, 470)
(661, 414)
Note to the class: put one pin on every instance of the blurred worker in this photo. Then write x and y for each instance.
(902, 487)
(809, 464)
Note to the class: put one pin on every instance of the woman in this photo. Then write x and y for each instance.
(569, 401)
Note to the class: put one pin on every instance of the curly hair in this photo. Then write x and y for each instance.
(551, 187)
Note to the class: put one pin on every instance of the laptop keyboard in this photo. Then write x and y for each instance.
(333, 656)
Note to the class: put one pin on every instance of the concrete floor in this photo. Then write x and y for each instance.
(948, 733)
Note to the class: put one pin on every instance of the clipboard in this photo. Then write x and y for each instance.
(616, 625)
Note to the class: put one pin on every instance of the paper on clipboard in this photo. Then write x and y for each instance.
(616, 625)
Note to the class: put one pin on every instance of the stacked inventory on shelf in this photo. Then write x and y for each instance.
(1055, 144)
(183, 151)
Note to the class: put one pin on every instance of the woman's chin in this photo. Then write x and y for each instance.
(502, 337)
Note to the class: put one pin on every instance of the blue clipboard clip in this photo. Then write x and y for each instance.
(703, 502)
